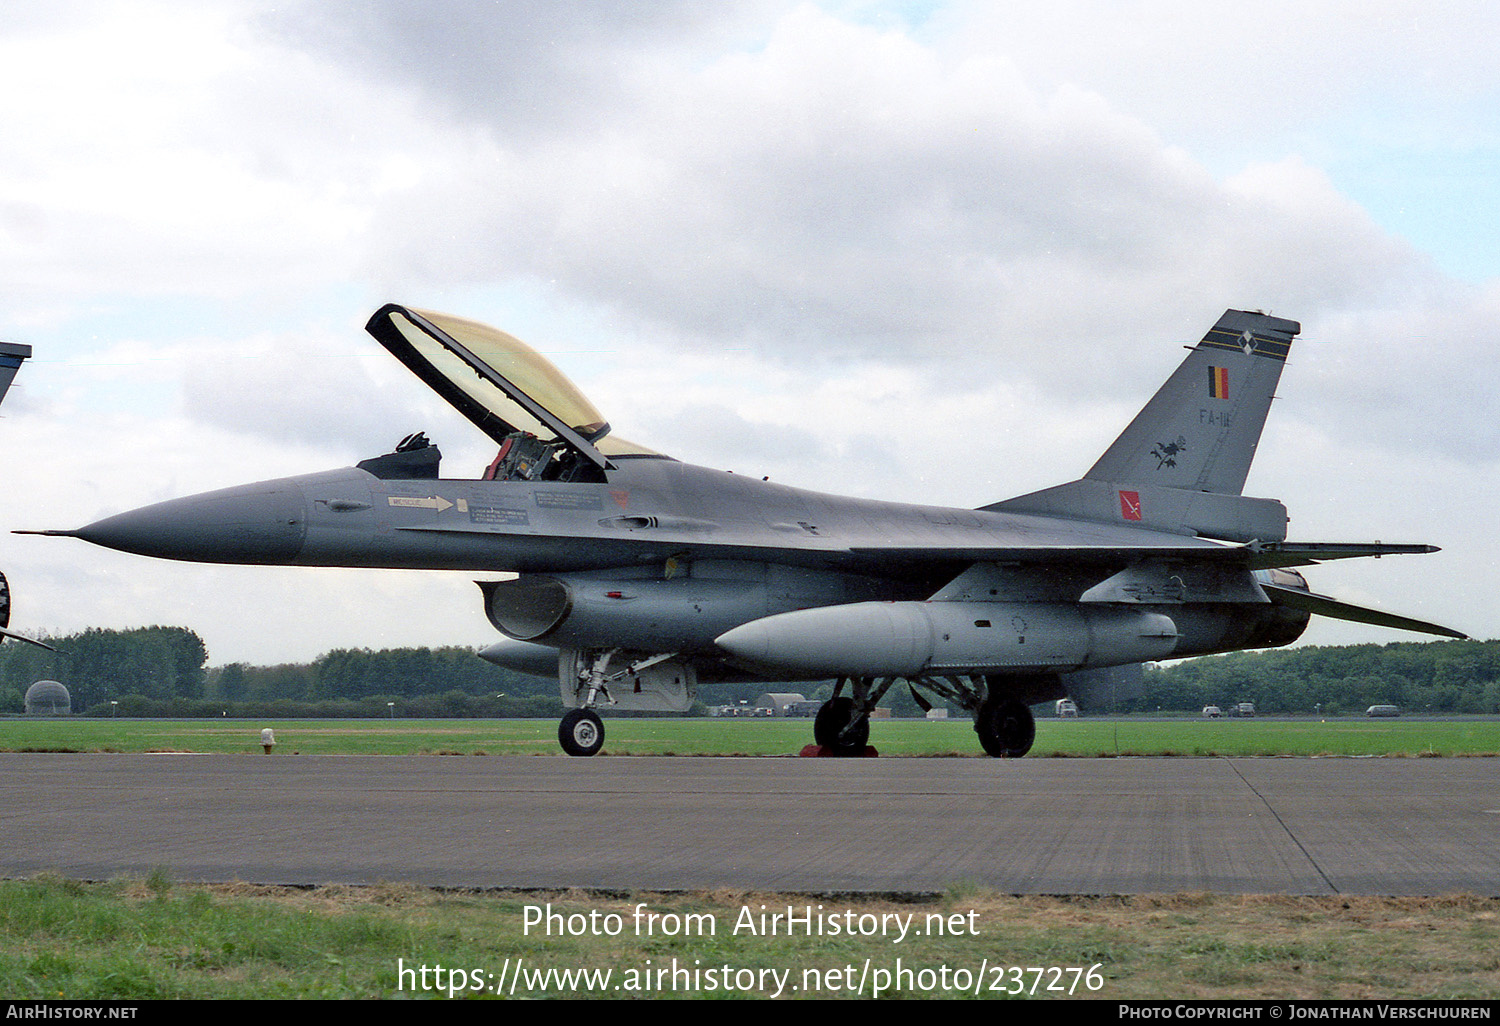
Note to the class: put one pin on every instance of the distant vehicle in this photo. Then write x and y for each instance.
(1211, 712)
(1382, 710)
(1245, 709)
(1067, 708)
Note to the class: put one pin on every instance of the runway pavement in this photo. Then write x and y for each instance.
(1046, 826)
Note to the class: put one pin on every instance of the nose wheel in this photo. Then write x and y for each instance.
(581, 732)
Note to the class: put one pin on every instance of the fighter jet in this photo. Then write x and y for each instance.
(637, 577)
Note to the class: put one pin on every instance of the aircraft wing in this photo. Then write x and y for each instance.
(914, 544)
(1254, 555)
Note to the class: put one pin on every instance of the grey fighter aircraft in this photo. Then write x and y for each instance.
(639, 576)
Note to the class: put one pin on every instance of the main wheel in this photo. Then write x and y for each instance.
(1006, 728)
(581, 732)
(833, 716)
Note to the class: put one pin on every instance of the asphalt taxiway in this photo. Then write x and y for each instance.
(1045, 826)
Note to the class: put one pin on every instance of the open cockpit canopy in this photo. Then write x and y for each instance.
(512, 393)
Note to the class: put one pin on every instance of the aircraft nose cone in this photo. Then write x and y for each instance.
(259, 523)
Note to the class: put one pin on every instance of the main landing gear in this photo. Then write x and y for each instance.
(842, 726)
(1002, 719)
(838, 730)
(1005, 727)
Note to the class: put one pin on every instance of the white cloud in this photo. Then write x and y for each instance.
(1257, 69)
(848, 191)
(160, 150)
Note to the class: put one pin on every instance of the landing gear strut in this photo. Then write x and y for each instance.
(627, 679)
(581, 732)
(1005, 727)
(998, 704)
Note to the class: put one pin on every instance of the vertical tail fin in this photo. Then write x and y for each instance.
(1181, 464)
(11, 355)
(1200, 431)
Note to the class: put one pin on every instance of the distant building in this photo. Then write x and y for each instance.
(48, 698)
(778, 702)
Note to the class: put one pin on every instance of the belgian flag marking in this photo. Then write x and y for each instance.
(1218, 382)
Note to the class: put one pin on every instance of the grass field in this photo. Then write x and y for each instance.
(1056, 738)
(149, 939)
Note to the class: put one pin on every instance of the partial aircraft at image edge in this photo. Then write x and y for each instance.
(12, 355)
(640, 576)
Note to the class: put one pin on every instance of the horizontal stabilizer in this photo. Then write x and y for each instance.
(1322, 605)
(29, 641)
(1308, 553)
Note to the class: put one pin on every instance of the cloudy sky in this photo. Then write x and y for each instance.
(934, 252)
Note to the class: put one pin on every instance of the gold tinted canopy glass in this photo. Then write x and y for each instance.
(496, 380)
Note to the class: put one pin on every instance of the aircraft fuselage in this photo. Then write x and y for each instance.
(667, 556)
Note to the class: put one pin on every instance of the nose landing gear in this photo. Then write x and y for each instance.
(581, 732)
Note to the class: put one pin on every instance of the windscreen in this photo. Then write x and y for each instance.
(523, 392)
(512, 359)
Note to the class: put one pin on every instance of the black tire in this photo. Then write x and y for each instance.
(833, 716)
(1006, 728)
(581, 732)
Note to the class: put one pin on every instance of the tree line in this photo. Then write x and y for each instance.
(163, 671)
(1435, 676)
(158, 671)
